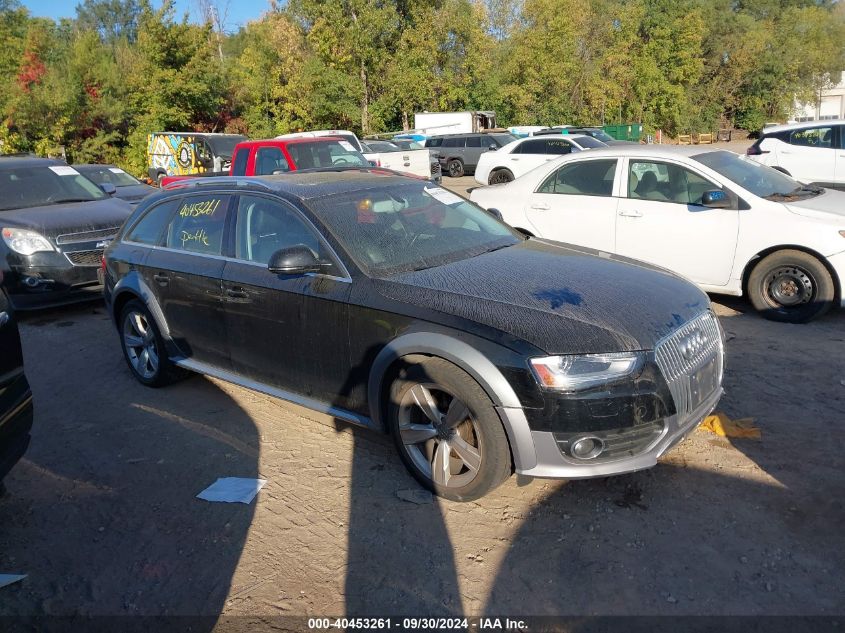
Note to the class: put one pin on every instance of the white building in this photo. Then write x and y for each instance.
(831, 105)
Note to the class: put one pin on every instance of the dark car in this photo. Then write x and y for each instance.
(459, 153)
(389, 302)
(15, 395)
(54, 225)
(596, 132)
(126, 187)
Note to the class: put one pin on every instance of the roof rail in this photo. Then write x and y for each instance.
(219, 181)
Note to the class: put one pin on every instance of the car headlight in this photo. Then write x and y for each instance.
(26, 242)
(583, 371)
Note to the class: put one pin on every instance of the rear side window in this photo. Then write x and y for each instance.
(269, 160)
(453, 142)
(474, 141)
(150, 228)
(199, 224)
(545, 146)
(821, 137)
(434, 142)
(239, 164)
(583, 178)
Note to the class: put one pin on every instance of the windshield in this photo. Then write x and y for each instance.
(502, 139)
(404, 144)
(223, 146)
(404, 227)
(328, 153)
(102, 174)
(602, 136)
(44, 185)
(383, 146)
(589, 142)
(760, 180)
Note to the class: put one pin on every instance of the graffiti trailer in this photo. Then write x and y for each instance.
(189, 153)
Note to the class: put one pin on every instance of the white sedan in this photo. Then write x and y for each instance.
(727, 223)
(521, 156)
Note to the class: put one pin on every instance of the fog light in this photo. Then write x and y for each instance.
(586, 447)
(32, 282)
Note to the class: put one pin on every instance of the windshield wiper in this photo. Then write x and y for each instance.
(798, 192)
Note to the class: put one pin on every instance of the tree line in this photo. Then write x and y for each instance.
(98, 83)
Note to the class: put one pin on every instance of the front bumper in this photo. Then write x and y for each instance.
(837, 262)
(690, 360)
(551, 462)
(46, 279)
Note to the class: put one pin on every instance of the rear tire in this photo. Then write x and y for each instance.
(791, 287)
(143, 347)
(456, 168)
(500, 176)
(447, 432)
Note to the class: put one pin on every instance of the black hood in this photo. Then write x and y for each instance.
(560, 298)
(134, 193)
(56, 219)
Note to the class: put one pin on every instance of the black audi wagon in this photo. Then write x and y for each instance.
(392, 303)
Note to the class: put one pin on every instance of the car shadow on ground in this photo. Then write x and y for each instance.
(121, 488)
(683, 538)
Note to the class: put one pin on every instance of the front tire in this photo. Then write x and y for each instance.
(447, 432)
(143, 347)
(456, 168)
(791, 287)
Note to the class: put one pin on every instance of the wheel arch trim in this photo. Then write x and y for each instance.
(470, 360)
(133, 285)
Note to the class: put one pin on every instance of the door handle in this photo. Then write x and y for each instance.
(4, 318)
(237, 293)
(631, 214)
(540, 206)
(162, 279)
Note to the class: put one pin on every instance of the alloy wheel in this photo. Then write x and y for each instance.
(440, 435)
(140, 342)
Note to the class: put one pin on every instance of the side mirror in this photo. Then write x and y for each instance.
(716, 199)
(492, 148)
(496, 214)
(108, 188)
(294, 260)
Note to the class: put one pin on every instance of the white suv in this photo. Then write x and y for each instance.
(811, 152)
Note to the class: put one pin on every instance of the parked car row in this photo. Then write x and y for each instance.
(558, 334)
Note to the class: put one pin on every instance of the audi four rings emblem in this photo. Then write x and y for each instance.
(692, 344)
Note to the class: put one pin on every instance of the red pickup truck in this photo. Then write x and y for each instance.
(280, 156)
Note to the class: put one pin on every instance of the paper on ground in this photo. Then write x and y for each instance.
(9, 579)
(233, 490)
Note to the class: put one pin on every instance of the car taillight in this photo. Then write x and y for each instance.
(103, 263)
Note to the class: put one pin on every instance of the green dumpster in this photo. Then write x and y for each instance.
(625, 131)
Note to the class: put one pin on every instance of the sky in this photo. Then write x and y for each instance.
(239, 11)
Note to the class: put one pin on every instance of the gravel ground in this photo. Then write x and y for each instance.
(102, 514)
